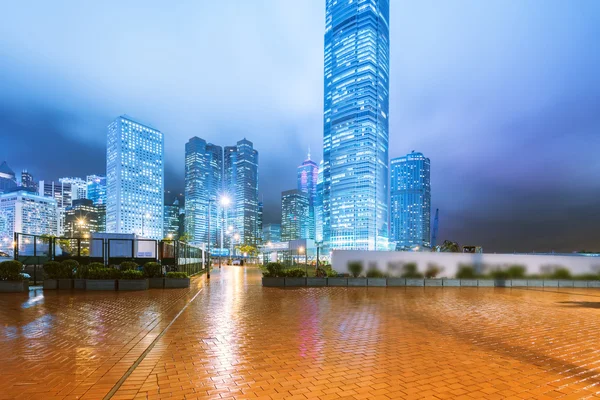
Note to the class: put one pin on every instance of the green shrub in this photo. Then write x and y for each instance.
(409, 270)
(320, 273)
(587, 277)
(516, 272)
(177, 275)
(375, 273)
(332, 273)
(465, 272)
(561, 273)
(103, 273)
(128, 265)
(131, 274)
(295, 273)
(67, 269)
(153, 270)
(274, 270)
(52, 269)
(355, 268)
(500, 275)
(11, 271)
(432, 271)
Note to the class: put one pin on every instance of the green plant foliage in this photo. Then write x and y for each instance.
(11, 271)
(67, 269)
(295, 273)
(516, 271)
(375, 273)
(561, 273)
(103, 273)
(131, 274)
(355, 268)
(128, 265)
(409, 270)
(587, 277)
(432, 271)
(320, 273)
(176, 275)
(332, 273)
(500, 275)
(153, 270)
(52, 269)
(465, 272)
(274, 270)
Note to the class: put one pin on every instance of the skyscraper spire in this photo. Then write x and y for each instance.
(308, 153)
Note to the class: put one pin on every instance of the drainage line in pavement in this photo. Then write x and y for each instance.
(137, 362)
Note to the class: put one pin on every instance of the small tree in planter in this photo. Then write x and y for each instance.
(66, 272)
(409, 271)
(177, 280)
(153, 271)
(52, 269)
(355, 268)
(82, 274)
(128, 265)
(375, 277)
(11, 278)
(102, 279)
(132, 280)
(432, 271)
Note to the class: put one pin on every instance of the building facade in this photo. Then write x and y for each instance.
(171, 222)
(8, 179)
(307, 176)
(27, 213)
(203, 185)
(410, 201)
(78, 187)
(96, 189)
(134, 178)
(294, 215)
(27, 181)
(241, 186)
(81, 219)
(271, 233)
(355, 132)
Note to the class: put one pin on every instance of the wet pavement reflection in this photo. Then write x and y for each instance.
(237, 339)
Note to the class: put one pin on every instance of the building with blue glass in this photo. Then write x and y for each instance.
(96, 189)
(410, 201)
(355, 131)
(134, 178)
(307, 183)
(294, 215)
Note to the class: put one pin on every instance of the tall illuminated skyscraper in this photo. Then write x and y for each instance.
(355, 134)
(134, 178)
(307, 183)
(294, 215)
(410, 201)
(203, 183)
(96, 189)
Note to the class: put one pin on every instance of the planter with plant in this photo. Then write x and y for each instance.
(128, 265)
(376, 278)
(12, 279)
(295, 277)
(82, 274)
(154, 272)
(412, 275)
(66, 272)
(356, 268)
(320, 278)
(132, 280)
(177, 280)
(102, 279)
(273, 275)
(52, 272)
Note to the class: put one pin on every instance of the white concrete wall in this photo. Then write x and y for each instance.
(391, 261)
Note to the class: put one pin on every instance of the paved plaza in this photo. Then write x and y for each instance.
(232, 338)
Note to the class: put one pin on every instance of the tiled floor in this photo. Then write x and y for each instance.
(236, 339)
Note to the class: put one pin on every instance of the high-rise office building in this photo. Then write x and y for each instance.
(171, 222)
(271, 233)
(307, 183)
(81, 219)
(96, 189)
(62, 192)
(78, 187)
(319, 205)
(355, 117)
(8, 180)
(294, 215)
(410, 205)
(259, 223)
(25, 212)
(27, 181)
(241, 185)
(134, 178)
(203, 186)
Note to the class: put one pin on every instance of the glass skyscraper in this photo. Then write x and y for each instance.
(96, 189)
(134, 178)
(203, 182)
(294, 215)
(355, 134)
(410, 201)
(307, 183)
(8, 179)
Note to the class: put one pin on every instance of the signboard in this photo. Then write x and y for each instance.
(219, 252)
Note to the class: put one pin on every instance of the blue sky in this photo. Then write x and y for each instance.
(503, 96)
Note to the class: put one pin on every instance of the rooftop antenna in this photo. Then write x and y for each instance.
(309, 152)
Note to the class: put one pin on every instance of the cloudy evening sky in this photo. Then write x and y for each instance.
(503, 96)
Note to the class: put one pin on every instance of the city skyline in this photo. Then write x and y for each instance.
(492, 112)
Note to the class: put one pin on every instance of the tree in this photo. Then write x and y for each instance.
(449, 247)
(247, 249)
(186, 237)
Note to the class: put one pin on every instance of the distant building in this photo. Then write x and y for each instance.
(78, 187)
(8, 180)
(203, 184)
(101, 209)
(171, 221)
(96, 189)
(271, 233)
(355, 125)
(319, 205)
(27, 181)
(81, 219)
(63, 194)
(410, 203)
(134, 178)
(241, 185)
(27, 213)
(308, 174)
(294, 215)
(259, 224)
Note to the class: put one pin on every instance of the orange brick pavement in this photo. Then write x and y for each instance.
(239, 340)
